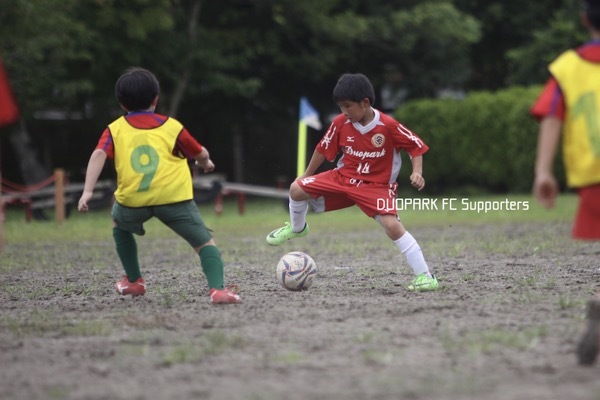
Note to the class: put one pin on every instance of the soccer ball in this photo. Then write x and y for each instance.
(296, 271)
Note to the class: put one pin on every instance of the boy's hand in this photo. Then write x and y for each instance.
(83, 201)
(208, 165)
(545, 189)
(417, 180)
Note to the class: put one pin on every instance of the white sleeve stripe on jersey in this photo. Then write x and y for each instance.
(327, 138)
(410, 135)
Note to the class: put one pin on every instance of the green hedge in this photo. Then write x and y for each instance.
(483, 143)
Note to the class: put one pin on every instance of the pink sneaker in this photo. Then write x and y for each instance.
(225, 296)
(137, 288)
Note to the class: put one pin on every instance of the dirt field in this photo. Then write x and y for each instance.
(504, 326)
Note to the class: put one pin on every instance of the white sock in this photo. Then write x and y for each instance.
(298, 210)
(411, 249)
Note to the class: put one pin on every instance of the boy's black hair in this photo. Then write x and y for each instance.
(353, 87)
(136, 89)
(592, 10)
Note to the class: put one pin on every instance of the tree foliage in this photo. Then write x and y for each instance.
(518, 39)
(234, 70)
(473, 150)
(528, 62)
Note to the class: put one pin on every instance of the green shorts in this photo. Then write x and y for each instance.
(183, 218)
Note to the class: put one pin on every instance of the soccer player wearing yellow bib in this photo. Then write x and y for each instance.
(570, 105)
(151, 153)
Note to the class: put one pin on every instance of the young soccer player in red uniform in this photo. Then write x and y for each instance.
(150, 152)
(570, 106)
(370, 143)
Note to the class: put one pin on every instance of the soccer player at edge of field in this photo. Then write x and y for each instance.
(370, 142)
(151, 153)
(570, 104)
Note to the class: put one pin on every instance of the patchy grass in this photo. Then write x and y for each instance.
(474, 342)
(504, 324)
(261, 216)
(43, 323)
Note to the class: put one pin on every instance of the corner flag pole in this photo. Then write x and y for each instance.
(301, 148)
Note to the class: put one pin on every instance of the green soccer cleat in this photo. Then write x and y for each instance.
(423, 283)
(282, 235)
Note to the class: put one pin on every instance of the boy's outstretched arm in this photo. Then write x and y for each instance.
(416, 177)
(545, 186)
(315, 162)
(94, 168)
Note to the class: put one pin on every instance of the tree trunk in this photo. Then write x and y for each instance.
(187, 63)
(32, 170)
(238, 154)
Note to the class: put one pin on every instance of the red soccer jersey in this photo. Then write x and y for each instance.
(370, 153)
(551, 102)
(185, 146)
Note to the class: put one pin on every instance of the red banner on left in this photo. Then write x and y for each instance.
(9, 111)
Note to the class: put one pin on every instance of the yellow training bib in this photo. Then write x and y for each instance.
(579, 81)
(148, 174)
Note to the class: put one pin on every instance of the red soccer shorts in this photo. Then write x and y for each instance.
(332, 191)
(587, 219)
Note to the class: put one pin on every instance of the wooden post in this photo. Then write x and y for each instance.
(241, 202)
(219, 203)
(59, 195)
(2, 237)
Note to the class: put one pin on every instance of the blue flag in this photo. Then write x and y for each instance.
(309, 115)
